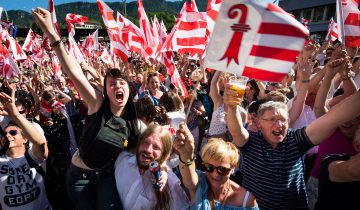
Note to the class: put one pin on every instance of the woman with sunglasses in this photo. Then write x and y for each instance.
(212, 187)
(110, 127)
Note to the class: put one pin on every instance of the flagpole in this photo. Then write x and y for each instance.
(341, 24)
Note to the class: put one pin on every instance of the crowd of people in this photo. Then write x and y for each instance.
(89, 139)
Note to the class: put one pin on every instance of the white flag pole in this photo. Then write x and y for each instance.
(341, 20)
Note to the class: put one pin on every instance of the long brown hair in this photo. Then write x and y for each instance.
(163, 198)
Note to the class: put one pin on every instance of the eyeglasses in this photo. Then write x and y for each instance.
(22, 111)
(274, 120)
(11, 132)
(222, 171)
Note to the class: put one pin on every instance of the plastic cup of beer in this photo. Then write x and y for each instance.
(238, 84)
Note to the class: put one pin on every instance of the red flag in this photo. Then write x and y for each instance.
(15, 48)
(9, 67)
(7, 25)
(55, 63)
(131, 35)
(332, 34)
(348, 16)
(212, 11)
(113, 30)
(91, 42)
(150, 43)
(189, 33)
(28, 43)
(105, 56)
(74, 49)
(51, 8)
(71, 19)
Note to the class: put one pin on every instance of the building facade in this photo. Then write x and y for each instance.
(318, 12)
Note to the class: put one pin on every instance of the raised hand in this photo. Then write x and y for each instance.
(184, 143)
(43, 20)
(231, 97)
(9, 102)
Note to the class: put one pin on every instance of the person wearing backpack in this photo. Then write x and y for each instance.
(21, 185)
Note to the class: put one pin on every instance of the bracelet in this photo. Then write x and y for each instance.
(305, 80)
(188, 163)
(54, 44)
(348, 75)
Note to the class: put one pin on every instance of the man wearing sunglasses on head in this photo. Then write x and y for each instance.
(21, 185)
(212, 187)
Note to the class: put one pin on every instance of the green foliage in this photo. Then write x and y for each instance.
(169, 19)
(164, 10)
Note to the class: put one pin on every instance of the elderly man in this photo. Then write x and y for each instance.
(21, 181)
(273, 158)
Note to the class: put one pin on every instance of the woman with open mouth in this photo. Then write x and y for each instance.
(111, 126)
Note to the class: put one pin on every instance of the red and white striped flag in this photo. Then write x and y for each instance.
(131, 35)
(262, 42)
(91, 42)
(150, 43)
(212, 11)
(74, 49)
(304, 21)
(118, 47)
(15, 48)
(51, 8)
(189, 34)
(55, 63)
(348, 19)
(28, 63)
(188, 6)
(106, 57)
(71, 19)
(168, 45)
(332, 33)
(7, 64)
(29, 41)
(7, 25)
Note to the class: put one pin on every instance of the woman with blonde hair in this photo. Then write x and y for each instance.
(212, 188)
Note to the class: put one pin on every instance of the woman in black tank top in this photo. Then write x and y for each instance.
(110, 127)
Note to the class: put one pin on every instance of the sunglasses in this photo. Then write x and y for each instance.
(11, 132)
(222, 171)
(22, 111)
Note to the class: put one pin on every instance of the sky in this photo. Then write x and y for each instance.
(27, 5)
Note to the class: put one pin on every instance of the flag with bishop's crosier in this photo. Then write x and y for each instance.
(255, 39)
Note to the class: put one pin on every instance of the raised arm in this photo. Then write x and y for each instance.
(234, 121)
(331, 68)
(299, 100)
(345, 171)
(324, 126)
(184, 145)
(214, 89)
(39, 147)
(348, 84)
(70, 66)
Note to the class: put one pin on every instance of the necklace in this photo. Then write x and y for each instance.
(226, 192)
